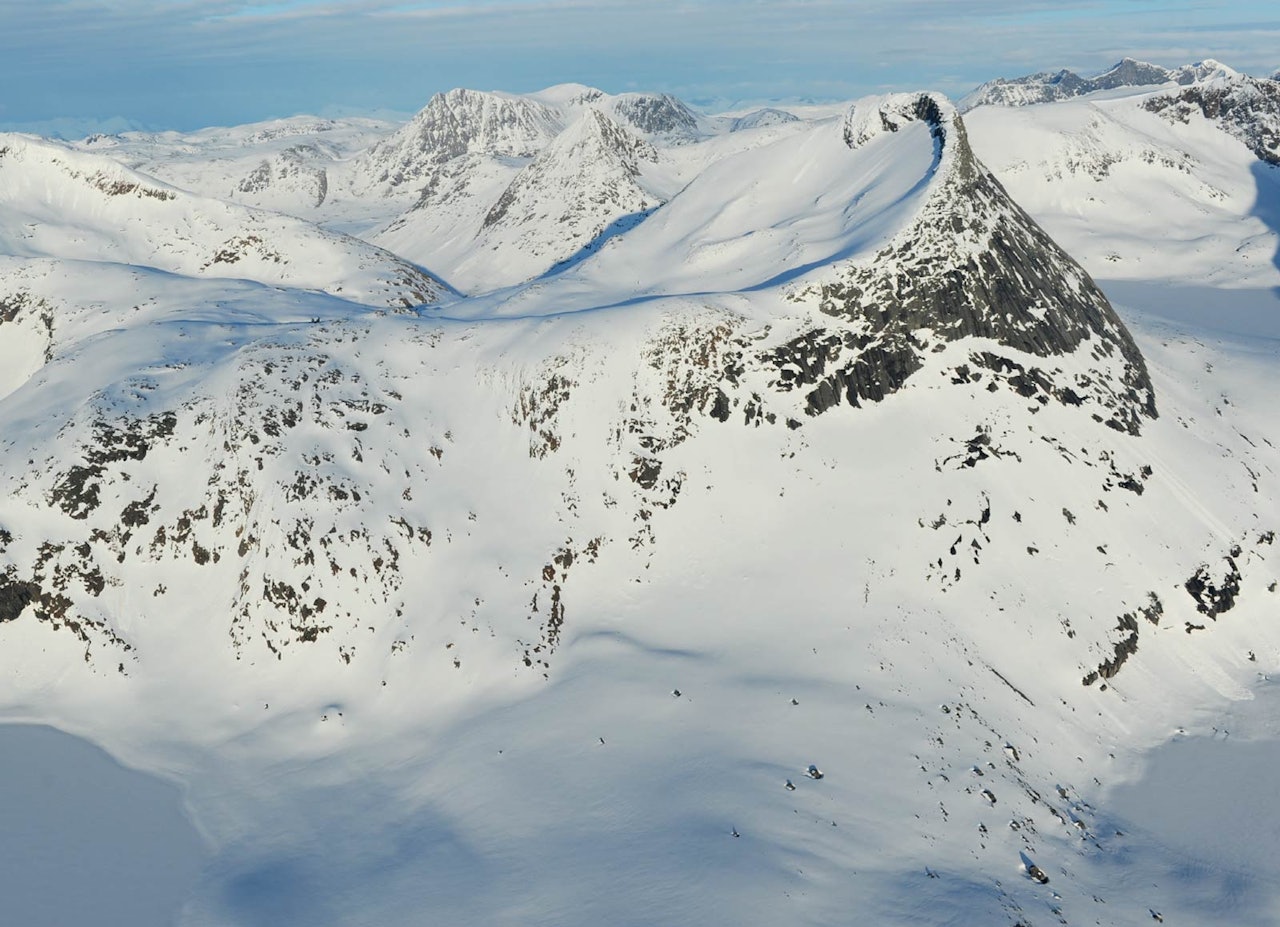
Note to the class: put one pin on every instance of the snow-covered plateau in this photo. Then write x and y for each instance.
(572, 509)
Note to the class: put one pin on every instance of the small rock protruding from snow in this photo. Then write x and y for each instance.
(814, 772)
(976, 770)
(790, 786)
(1011, 751)
(989, 795)
(675, 693)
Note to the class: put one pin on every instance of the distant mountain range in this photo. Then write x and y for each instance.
(1052, 86)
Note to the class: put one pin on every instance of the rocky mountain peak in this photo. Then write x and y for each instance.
(567, 196)
(596, 132)
(458, 123)
(1247, 108)
(462, 121)
(832, 463)
(1130, 72)
(1208, 69)
(1048, 87)
(973, 264)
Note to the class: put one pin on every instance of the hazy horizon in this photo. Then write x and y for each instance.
(93, 65)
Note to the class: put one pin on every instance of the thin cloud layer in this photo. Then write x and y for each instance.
(186, 63)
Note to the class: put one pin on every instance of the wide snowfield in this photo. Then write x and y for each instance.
(87, 841)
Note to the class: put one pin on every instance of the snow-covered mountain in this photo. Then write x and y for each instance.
(514, 186)
(56, 202)
(1053, 86)
(762, 117)
(1171, 184)
(797, 532)
(454, 125)
(287, 165)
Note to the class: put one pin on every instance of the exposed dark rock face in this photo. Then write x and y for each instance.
(454, 123)
(1244, 107)
(15, 596)
(296, 521)
(1041, 87)
(973, 265)
(1130, 72)
(762, 117)
(1127, 646)
(76, 490)
(1213, 596)
(290, 166)
(845, 367)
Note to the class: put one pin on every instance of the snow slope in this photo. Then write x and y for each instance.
(1171, 185)
(55, 202)
(287, 165)
(525, 608)
(512, 187)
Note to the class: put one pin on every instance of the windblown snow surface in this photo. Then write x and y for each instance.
(535, 607)
(1175, 186)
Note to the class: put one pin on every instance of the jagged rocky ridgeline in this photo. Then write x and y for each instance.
(501, 188)
(1243, 106)
(1051, 86)
(56, 202)
(972, 265)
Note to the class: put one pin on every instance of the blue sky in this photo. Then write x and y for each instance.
(184, 64)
